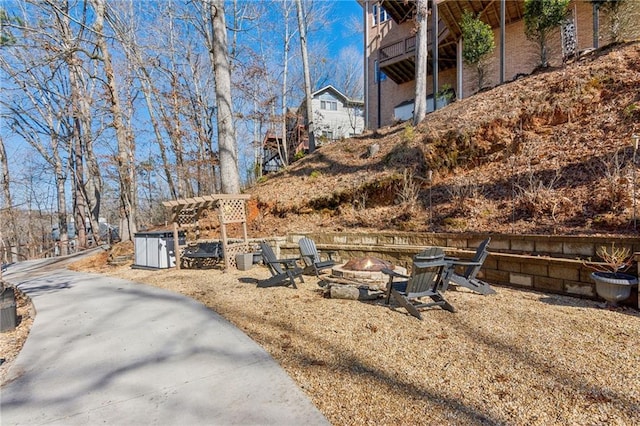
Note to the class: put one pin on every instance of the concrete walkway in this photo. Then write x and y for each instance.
(108, 351)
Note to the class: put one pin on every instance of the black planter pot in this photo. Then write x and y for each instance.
(613, 287)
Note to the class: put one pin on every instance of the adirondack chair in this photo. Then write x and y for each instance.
(312, 257)
(468, 278)
(283, 271)
(429, 277)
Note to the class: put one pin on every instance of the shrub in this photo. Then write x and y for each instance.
(409, 133)
(541, 18)
(478, 44)
(409, 190)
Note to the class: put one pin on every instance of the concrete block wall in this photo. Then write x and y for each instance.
(554, 264)
(562, 276)
(569, 247)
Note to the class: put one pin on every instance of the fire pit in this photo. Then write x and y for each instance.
(367, 271)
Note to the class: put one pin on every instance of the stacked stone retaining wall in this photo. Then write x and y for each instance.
(556, 264)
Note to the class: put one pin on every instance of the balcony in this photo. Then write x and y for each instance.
(397, 60)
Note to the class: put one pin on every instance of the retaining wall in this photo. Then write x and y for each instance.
(552, 263)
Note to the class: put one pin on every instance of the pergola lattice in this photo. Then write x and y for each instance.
(232, 208)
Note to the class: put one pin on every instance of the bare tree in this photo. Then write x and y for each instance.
(88, 183)
(217, 37)
(302, 29)
(420, 102)
(349, 78)
(200, 115)
(6, 193)
(143, 66)
(37, 122)
(125, 152)
(38, 105)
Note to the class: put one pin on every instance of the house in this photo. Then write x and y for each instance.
(336, 116)
(390, 42)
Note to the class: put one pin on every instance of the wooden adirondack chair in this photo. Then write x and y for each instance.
(312, 257)
(283, 271)
(468, 278)
(429, 277)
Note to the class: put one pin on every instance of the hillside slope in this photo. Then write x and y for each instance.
(548, 153)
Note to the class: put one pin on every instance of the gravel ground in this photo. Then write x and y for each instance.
(511, 358)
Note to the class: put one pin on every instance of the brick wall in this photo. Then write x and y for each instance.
(521, 58)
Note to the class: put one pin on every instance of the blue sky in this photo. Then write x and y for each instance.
(344, 30)
(346, 11)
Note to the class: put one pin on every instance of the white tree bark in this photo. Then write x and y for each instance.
(284, 147)
(307, 76)
(228, 152)
(420, 102)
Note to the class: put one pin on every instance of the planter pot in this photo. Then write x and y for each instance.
(244, 261)
(613, 287)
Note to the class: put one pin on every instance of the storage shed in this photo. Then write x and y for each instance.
(155, 249)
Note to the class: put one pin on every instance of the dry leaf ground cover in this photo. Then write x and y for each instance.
(511, 358)
(550, 153)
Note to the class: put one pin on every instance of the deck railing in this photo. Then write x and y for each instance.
(407, 45)
(397, 49)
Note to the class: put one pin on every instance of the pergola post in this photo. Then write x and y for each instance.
(176, 242)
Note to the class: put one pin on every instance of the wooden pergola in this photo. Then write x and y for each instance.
(232, 208)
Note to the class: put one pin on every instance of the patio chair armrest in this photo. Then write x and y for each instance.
(393, 273)
(288, 263)
(465, 263)
(329, 253)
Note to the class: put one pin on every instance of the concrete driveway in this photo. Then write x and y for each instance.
(108, 351)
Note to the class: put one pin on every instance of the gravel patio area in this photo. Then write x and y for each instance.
(515, 357)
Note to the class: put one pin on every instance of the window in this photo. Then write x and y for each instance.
(378, 74)
(379, 14)
(327, 134)
(329, 105)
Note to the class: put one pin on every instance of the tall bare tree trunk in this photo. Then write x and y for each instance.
(79, 193)
(201, 123)
(147, 89)
(172, 112)
(420, 100)
(229, 175)
(283, 150)
(88, 188)
(61, 178)
(126, 170)
(307, 76)
(6, 192)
